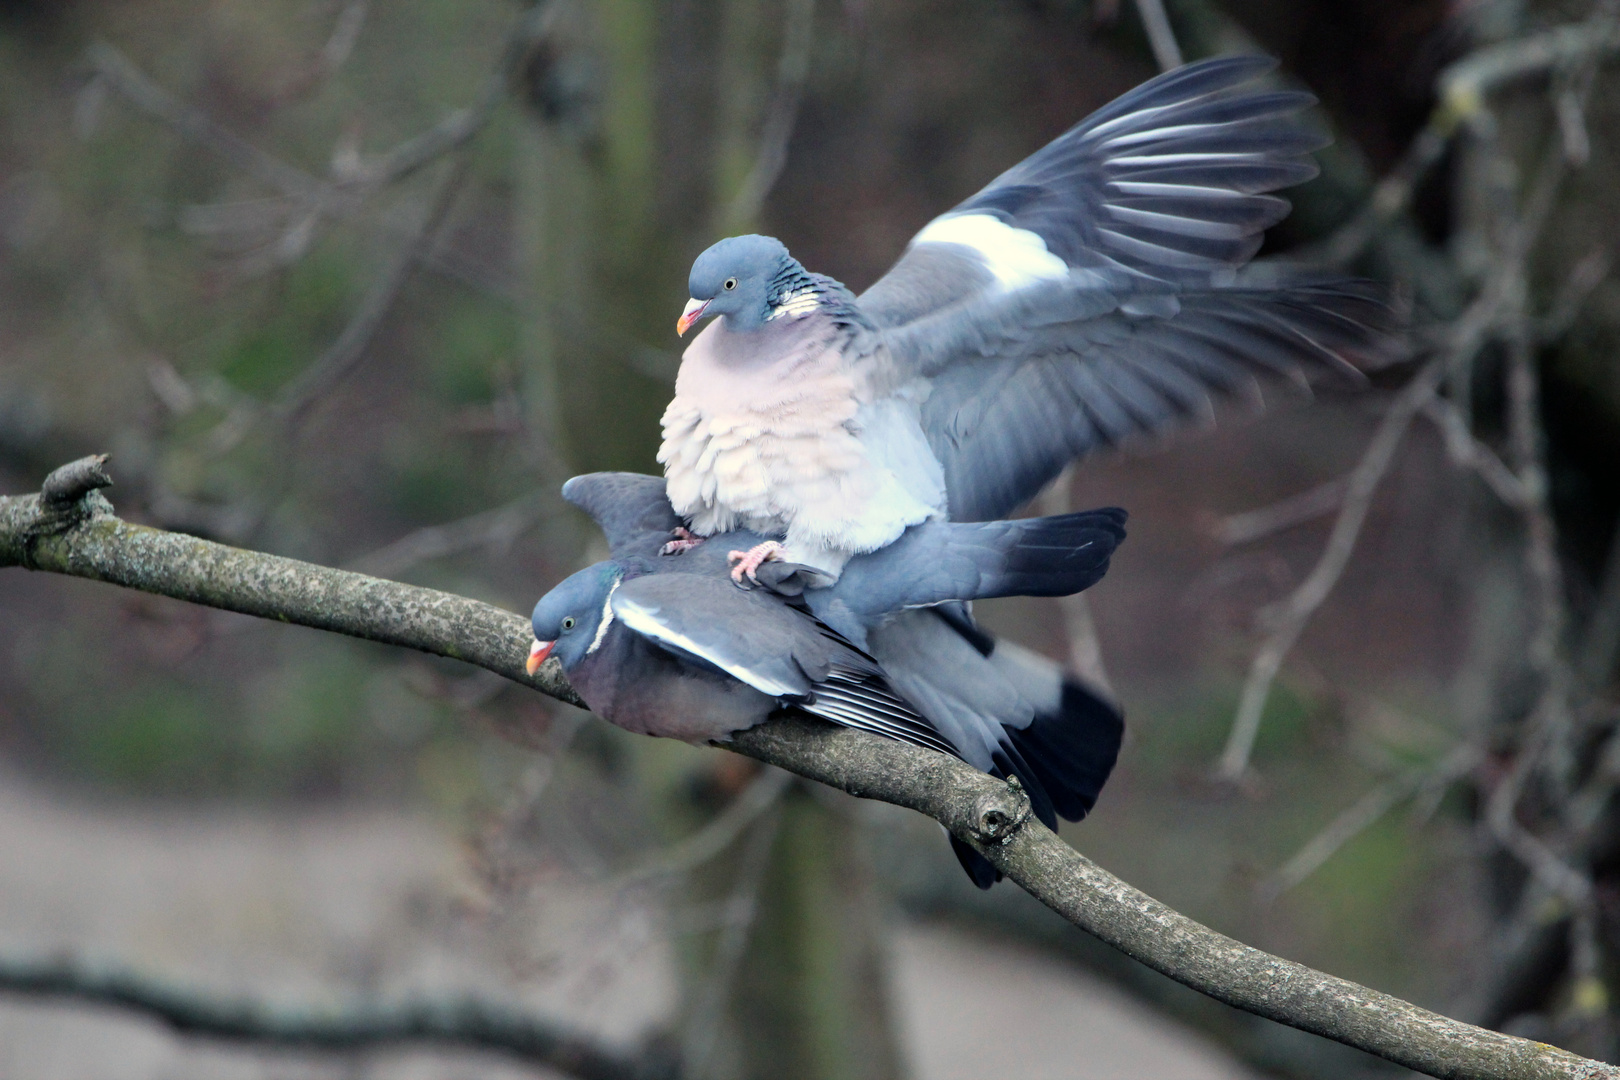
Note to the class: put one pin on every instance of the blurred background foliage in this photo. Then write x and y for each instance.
(228, 256)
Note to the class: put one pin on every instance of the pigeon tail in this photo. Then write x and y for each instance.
(977, 866)
(1068, 752)
(1062, 759)
(1059, 555)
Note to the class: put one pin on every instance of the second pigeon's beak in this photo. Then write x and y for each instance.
(693, 312)
(537, 655)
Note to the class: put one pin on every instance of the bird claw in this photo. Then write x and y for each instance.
(748, 562)
(684, 541)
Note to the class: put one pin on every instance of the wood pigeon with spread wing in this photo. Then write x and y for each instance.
(1095, 292)
(668, 645)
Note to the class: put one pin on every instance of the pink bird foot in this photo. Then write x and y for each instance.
(748, 562)
(684, 541)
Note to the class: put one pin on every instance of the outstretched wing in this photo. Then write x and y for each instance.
(1092, 292)
(779, 650)
(1169, 182)
(1005, 419)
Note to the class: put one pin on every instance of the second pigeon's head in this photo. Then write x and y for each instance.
(733, 278)
(571, 620)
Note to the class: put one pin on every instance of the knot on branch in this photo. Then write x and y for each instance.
(67, 486)
(66, 498)
(999, 815)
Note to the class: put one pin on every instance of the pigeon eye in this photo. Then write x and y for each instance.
(731, 283)
(568, 623)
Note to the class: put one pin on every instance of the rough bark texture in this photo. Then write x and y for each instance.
(73, 531)
(83, 538)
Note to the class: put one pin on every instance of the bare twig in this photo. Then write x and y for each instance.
(1550, 725)
(1392, 196)
(1252, 525)
(1501, 820)
(469, 1022)
(1161, 37)
(1541, 542)
(307, 200)
(1498, 308)
(1463, 87)
(1085, 645)
(1585, 277)
(404, 159)
(118, 73)
(992, 815)
(1367, 810)
(345, 32)
(1466, 451)
(344, 353)
(494, 529)
(349, 348)
(1464, 84)
(709, 841)
(1292, 614)
(459, 127)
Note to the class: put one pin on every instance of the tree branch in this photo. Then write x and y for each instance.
(1161, 37)
(87, 540)
(467, 1021)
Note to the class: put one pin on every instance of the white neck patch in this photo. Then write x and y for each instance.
(607, 619)
(800, 302)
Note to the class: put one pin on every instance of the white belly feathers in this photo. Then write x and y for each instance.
(746, 447)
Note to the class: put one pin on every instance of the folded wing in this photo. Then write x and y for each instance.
(779, 650)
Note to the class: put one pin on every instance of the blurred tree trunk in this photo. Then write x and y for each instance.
(811, 998)
(806, 997)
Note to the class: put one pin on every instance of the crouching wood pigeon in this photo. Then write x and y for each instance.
(668, 645)
(1095, 292)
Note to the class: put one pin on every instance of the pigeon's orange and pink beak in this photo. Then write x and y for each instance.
(693, 312)
(537, 655)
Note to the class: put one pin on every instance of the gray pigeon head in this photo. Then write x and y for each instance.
(734, 278)
(567, 618)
